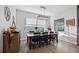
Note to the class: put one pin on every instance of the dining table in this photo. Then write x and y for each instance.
(29, 38)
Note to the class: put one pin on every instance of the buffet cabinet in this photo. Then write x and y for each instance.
(11, 42)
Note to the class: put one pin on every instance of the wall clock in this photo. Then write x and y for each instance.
(7, 13)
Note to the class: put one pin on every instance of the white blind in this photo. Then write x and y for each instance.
(30, 20)
(41, 23)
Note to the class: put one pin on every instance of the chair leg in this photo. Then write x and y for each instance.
(42, 43)
(32, 45)
(39, 44)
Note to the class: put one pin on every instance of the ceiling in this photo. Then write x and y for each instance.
(52, 8)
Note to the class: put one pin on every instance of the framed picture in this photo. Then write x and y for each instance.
(59, 24)
(70, 22)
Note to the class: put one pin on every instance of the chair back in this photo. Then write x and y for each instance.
(35, 38)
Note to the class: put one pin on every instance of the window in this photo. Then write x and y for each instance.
(30, 21)
(41, 23)
(59, 24)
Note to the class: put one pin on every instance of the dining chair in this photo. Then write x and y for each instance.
(44, 40)
(35, 41)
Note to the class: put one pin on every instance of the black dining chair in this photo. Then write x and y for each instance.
(49, 39)
(44, 40)
(35, 41)
(54, 39)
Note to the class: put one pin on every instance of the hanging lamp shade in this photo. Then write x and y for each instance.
(42, 17)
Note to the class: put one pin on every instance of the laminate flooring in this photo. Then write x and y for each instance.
(60, 47)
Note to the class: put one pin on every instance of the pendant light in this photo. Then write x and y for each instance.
(41, 16)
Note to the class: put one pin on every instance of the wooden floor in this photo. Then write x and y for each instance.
(61, 47)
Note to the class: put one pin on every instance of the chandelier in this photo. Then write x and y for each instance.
(41, 16)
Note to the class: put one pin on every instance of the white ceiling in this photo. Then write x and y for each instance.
(52, 8)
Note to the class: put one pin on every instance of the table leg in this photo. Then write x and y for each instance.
(29, 42)
(57, 38)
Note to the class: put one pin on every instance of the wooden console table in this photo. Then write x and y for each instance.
(11, 42)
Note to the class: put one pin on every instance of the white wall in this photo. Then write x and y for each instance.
(52, 22)
(69, 14)
(4, 24)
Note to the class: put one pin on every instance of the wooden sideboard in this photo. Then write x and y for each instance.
(11, 42)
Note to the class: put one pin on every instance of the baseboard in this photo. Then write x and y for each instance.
(68, 41)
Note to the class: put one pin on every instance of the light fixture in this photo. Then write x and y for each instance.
(41, 16)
